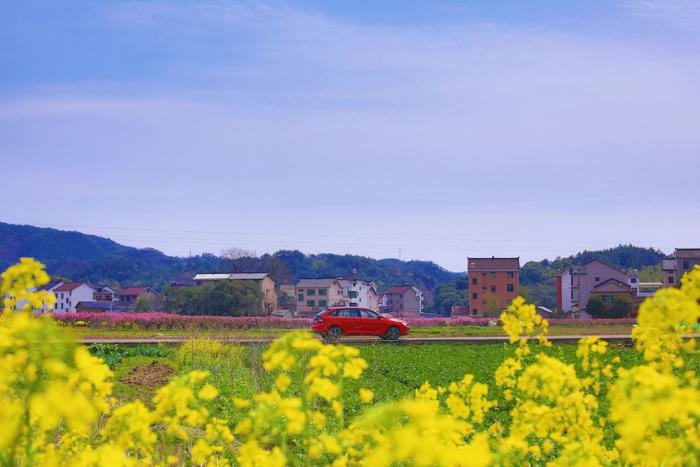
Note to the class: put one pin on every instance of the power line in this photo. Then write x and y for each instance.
(571, 242)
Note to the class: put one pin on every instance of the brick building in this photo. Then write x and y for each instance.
(492, 278)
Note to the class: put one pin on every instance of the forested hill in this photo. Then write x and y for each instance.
(80, 257)
(77, 256)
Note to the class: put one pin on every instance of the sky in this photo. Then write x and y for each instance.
(415, 129)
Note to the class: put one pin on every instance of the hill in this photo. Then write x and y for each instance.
(80, 257)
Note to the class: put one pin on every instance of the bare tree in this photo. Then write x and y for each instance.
(240, 260)
(278, 270)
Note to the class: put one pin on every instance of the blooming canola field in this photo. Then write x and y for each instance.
(528, 403)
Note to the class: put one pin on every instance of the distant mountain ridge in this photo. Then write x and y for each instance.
(98, 260)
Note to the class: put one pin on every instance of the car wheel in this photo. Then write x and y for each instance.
(393, 333)
(335, 333)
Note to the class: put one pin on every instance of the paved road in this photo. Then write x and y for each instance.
(358, 340)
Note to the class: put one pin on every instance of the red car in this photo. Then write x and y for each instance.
(336, 322)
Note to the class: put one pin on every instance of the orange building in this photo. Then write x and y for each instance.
(492, 279)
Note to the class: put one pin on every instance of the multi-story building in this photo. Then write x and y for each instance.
(406, 299)
(262, 279)
(359, 292)
(576, 284)
(131, 295)
(49, 288)
(103, 293)
(69, 294)
(492, 279)
(683, 260)
(314, 295)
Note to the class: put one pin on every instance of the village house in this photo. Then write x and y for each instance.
(405, 299)
(103, 293)
(132, 295)
(69, 294)
(492, 280)
(314, 295)
(683, 260)
(261, 279)
(578, 283)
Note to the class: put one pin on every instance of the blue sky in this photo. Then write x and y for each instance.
(430, 130)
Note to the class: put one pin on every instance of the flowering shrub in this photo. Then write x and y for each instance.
(51, 387)
(165, 321)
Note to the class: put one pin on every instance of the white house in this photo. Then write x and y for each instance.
(69, 294)
(360, 293)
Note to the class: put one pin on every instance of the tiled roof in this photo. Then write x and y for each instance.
(134, 290)
(494, 264)
(49, 286)
(402, 289)
(211, 277)
(102, 305)
(68, 286)
(687, 252)
(613, 282)
(319, 282)
(254, 276)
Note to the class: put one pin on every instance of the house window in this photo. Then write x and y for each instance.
(301, 297)
(483, 274)
(634, 280)
(474, 281)
(572, 294)
(311, 303)
(352, 294)
(686, 265)
(597, 279)
(323, 291)
(509, 275)
(474, 296)
(493, 288)
(510, 287)
(670, 279)
(493, 275)
(607, 298)
(323, 303)
(311, 292)
(353, 304)
(199, 282)
(474, 312)
(572, 280)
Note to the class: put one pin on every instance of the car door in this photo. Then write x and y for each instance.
(371, 323)
(349, 321)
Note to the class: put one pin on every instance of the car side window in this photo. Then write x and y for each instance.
(368, 314)
(347, 313)
(333, 313)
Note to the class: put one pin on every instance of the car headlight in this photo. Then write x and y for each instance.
(404, 323)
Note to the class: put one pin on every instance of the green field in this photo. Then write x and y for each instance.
(394, 371)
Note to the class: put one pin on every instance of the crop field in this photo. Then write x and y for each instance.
(394, 372)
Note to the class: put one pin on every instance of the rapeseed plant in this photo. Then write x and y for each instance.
(56, 406)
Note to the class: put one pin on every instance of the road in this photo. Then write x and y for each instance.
(358, 340)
